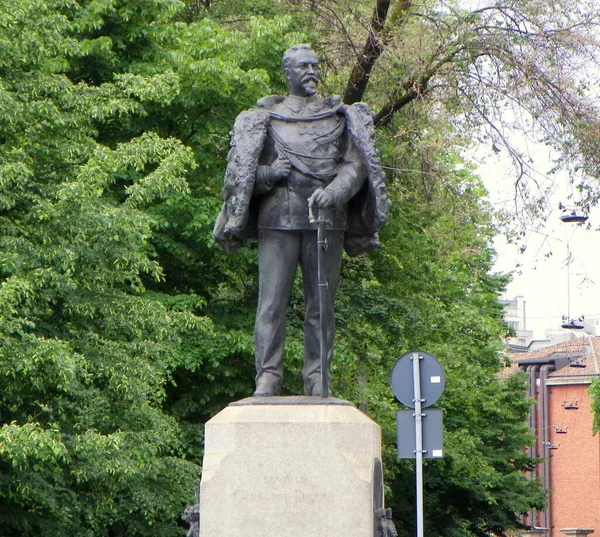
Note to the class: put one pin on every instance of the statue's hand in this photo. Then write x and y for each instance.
(267, 176)
(321, 198)
(280, 169)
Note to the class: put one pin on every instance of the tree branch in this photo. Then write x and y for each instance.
(374, 46)
(412, 89)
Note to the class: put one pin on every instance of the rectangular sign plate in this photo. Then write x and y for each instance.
(432, 424)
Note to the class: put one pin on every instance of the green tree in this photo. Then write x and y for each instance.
(429, 287)
(85, 352)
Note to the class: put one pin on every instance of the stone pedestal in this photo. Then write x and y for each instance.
(289, 467)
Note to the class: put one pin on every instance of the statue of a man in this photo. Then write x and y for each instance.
(290, 154)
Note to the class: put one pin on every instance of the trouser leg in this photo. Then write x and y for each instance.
(278, 253)
(312, 333)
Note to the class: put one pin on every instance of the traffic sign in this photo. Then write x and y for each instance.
(418, 381)
(433, 436)
(432, 376)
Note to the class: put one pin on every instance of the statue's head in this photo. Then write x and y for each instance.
(301, 70)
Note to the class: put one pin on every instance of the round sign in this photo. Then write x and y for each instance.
(431, 375)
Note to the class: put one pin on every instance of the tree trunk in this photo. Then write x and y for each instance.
(375, 45)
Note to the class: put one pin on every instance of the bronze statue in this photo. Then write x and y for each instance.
(290, 155)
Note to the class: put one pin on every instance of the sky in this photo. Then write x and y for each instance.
(552, 286)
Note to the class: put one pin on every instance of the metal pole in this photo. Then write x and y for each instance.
(419, 442)
(569, 283)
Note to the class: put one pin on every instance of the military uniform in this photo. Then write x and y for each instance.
(330, 146)
(311, 133)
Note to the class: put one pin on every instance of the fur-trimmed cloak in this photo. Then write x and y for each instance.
(367, 211)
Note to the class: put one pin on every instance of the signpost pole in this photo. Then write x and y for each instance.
(407, 374)
(416, 359)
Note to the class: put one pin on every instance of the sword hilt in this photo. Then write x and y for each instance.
(316, 214)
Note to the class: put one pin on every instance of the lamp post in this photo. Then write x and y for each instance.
(567, 321)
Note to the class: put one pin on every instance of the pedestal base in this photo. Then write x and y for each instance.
(289, 467)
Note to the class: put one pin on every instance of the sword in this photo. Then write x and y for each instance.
(322, 246)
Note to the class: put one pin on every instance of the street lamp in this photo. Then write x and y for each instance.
(568, 322)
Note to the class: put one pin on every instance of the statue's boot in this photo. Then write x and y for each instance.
(316, 390)
(267, 387)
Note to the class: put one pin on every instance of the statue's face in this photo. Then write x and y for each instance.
(302, 74)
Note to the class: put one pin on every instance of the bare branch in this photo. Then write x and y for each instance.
(412, 89)
(374, 46)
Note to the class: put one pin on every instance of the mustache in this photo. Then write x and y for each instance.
(310, 78)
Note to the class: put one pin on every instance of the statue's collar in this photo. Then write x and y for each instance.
(300, 105)
(293, 108)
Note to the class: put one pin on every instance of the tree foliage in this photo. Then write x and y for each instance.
(113, 133)
(85, 353)
(429, 287)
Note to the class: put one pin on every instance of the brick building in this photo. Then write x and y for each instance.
(559, 378)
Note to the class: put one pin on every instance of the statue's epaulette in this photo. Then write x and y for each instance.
(250, 119)
(333, 101)
(270, 101)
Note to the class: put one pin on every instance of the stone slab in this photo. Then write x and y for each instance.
(284, 468)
